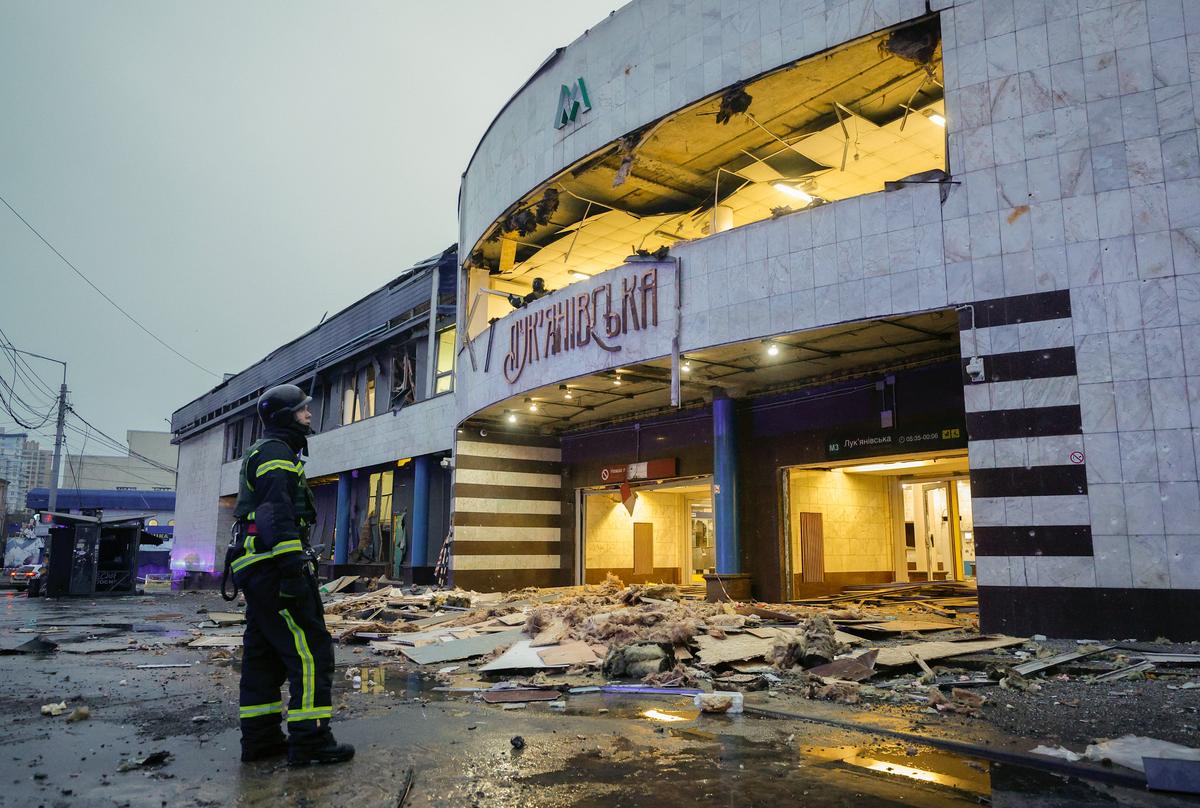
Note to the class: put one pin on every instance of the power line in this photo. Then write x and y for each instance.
(116, 444)
(16, 359)
(100, 292)
(7, 403)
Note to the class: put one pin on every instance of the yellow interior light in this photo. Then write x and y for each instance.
(792, 190)
(899, 464)
(937, 120)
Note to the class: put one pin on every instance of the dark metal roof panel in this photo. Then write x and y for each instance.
(296, 357)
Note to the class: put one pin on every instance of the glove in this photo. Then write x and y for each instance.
(294, 586)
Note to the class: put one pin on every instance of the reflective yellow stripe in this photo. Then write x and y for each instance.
(310, 715)
(282, 465)
(255, 710)
(291, 546)
(307, 672)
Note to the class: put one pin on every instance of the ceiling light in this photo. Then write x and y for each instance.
(936, 119)
(772, 349)
(566, 392)
(686, 366)
(533, 407)
(616, 381)
(510, 416)
(580, 276)
(899, 464)
(792, 190)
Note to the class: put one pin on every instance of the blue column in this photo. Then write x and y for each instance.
(420, 521)
(729, 551)
(341, 542)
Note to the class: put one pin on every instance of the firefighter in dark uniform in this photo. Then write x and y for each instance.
(272, 563)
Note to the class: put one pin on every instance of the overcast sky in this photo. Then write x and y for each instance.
(230, 171)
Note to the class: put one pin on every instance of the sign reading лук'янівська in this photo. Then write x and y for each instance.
(605, 317)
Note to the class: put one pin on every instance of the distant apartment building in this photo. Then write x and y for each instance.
(149, 466)
(21, 464)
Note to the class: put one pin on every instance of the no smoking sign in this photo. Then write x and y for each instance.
(1076, 457)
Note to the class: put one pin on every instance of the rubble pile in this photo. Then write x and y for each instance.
(911, 645)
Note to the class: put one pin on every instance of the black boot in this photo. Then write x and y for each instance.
(262, 751)
(329, 752)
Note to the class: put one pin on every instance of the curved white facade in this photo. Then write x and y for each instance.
(1070, 227)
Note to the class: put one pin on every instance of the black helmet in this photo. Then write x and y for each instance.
(277, 405)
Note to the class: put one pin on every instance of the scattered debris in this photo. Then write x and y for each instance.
(517, 742)
(1129, 751)
(719, 702)
(18, 645)
(54, 709)
(217, 641)
(81, 713)
(1127, 672)
(1171, 774)
(509, 695)
(150, 761)
(1058, 752)
(638, 661)
(734, 102)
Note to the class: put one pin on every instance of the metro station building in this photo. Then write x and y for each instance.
(843, 292)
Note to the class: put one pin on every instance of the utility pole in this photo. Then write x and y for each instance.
(58, 441)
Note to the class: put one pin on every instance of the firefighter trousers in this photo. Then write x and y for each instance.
(285, 639)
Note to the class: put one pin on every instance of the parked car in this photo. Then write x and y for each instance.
(23, 574)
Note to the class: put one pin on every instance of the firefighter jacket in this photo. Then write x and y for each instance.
(274, 503)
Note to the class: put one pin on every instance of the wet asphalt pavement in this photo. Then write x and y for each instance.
(602, 751)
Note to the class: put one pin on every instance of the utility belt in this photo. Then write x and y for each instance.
(240, 553)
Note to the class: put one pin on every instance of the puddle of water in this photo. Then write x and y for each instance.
(376, 680)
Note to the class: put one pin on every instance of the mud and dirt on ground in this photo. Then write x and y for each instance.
(601, 750)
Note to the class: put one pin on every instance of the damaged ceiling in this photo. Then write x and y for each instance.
(833, 126)
(742, 369)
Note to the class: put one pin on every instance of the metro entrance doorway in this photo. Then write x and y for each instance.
(876, 521)
(648, 533)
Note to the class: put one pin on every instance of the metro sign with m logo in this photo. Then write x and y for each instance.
(572, 99)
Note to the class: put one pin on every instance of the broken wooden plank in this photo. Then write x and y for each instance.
(338, 584)
(216, 642)
(227, 618)
(461, 649)
(754, 610)
(847, 639)
(856, 669)
(515, 619)
(732, 649)
(514, 695)
(905, 625)
(1036, 665)
(929, 651)
(553, 634)
(569, 654)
